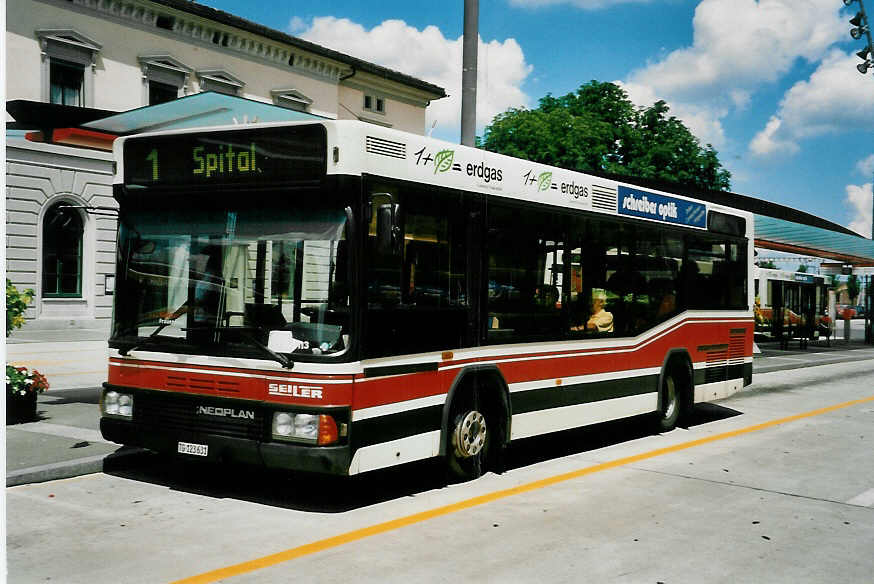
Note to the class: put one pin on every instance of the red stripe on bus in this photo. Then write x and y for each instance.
(690, 334)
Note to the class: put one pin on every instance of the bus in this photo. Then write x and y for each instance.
(337, 297)
(791, 305)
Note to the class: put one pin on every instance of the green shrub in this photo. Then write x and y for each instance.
(16, 304)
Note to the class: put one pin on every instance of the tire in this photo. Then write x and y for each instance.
(470, 435)
(671, 408)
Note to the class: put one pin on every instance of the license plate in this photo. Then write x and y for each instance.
(195, 449)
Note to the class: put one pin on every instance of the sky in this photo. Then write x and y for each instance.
(771, 84)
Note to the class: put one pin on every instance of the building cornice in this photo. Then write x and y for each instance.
(374, 85)
(225, 32)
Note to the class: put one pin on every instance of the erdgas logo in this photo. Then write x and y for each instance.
(444, 162)
(543, 181)
(225, 412)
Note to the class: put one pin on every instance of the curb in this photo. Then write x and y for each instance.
(72, 468)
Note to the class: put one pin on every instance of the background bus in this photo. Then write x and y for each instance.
(792, 305)
(338, 297)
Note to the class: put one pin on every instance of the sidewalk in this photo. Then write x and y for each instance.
(64, 442)
(66, 439)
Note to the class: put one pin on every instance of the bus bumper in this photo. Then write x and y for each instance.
(223, 449)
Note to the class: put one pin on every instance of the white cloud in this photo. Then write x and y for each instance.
(859, 200)
(702, 121)
(767, 142)
(738, 45)
(428, 55)
(740, 98)
(297, 25)
(866, 166)
(835, 98)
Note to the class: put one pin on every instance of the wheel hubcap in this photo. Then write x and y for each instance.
(671, 397)
(469, 437)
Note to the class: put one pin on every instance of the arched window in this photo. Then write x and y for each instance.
(62, 252)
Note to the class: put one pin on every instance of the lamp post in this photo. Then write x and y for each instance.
(861, 26)
(469, 72)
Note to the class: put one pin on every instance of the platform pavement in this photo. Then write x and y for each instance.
(66, 441)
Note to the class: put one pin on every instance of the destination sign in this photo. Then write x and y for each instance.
(805, 278)
(250, 156)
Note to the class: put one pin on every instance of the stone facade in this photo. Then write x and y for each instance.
(37, 177)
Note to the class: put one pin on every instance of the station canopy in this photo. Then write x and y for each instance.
(195, 111)
(783, 235)
(94, 128)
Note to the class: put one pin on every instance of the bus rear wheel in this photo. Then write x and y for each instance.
(470, 437)
(671, 408)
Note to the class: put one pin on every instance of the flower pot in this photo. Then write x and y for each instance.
(20, 408)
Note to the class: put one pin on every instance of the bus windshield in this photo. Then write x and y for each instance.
(242, 279)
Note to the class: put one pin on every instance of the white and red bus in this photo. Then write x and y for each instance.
(339, 297)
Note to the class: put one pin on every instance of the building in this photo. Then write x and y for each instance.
(118, 55)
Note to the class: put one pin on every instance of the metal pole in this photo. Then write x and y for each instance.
(468, 72)
(867, 25)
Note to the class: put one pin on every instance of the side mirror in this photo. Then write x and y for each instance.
(388, 231)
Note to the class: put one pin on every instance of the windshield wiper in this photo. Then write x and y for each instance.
(281, 359)
(146, 341)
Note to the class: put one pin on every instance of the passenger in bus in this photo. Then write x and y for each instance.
(663, 293)
(600, 321)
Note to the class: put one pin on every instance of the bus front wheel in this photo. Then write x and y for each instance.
(470, 437)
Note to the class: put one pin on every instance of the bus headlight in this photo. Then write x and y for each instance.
(306, 427)
(118, 404)
(283, 424)
(310, 428)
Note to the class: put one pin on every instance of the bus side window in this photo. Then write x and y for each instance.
(712, 279)
(526, 251)
(416, 299)
(595, 306)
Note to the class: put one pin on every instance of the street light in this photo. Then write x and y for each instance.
(863, 54)
(859, 29)
(862, 27)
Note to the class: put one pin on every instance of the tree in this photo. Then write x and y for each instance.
(597, 128)
(802, 268)
(767, 264)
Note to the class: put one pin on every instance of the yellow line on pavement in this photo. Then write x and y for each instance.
(365, 532)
